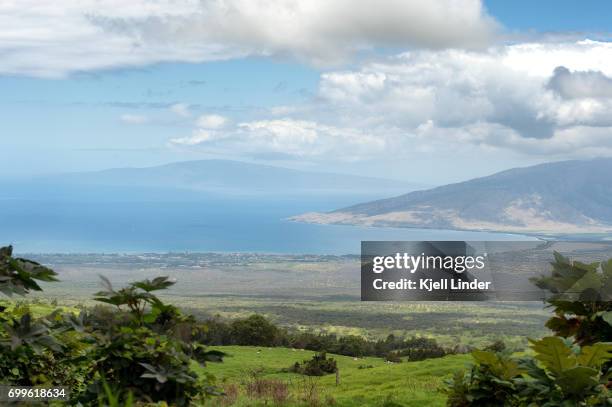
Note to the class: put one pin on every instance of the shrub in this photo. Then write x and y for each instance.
(144, 346)
(140, 352)
(319, 365)
(393, 357)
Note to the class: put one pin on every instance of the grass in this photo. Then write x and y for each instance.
(380, 384)
(37, 308)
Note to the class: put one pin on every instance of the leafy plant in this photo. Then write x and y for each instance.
(581, 297)
(490, 382)
(140, 352)
(34, 350)
(18, 276)
(570, 369)
(144, 348)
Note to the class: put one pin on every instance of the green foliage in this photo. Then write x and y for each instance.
(319, 365)
(18, 276)
(136, 296)
(570, 369)
(254, 331)
(112, 398)
(490, 382)
(34, 351)
(258, 331)
(140, 352)
(422, 348)
(145, 347)
(567, 374)
(581, 297)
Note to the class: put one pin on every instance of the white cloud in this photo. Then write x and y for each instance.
(211, 121)
(447, 102)
(509, 97)
(181, 109)
(208, 129)
(198, 136)
(133, 118)
(292, 138)
(585, 84)
(52, 39)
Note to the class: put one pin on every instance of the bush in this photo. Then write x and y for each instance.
(141, 352)
(393, 357)
(319, 365)
(145, 346)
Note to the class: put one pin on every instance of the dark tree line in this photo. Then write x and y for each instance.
(256, 330)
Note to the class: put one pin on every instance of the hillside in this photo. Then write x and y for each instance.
(363, 382)
(560, 197)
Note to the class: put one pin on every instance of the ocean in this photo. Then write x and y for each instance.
(216, 223)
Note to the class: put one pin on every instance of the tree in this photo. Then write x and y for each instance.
(254, 331)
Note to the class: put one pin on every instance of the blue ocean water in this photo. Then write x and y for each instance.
(214, 224)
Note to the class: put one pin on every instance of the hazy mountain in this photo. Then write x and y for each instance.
(194, 177)
(560, 197)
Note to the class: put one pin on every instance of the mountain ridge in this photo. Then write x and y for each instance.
(226, 174)
(560, 197)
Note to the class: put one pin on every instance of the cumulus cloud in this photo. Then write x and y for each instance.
(587, 84)
(134, 118)
(445, 101)
(287, 137)
(56, 38)
(494, 98)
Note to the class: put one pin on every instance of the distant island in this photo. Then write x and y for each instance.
(223, 175)
(567, 197)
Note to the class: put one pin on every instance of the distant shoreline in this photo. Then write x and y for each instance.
(535, 234)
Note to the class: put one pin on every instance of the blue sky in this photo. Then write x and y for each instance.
(432, 94)
(552, 15)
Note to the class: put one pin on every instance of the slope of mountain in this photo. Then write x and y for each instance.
(206, 175)
(560, 197)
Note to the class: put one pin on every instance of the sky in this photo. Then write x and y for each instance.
(430, 92)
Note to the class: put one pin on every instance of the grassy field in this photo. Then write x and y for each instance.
(363, 382)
